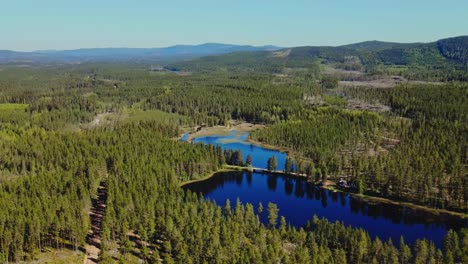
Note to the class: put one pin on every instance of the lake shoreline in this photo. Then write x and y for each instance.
(226, 168)
(240, 126)
(370, 199)
(245, 127)
(364, 198)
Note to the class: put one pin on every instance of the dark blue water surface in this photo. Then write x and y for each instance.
(237, 141)
(298, 200)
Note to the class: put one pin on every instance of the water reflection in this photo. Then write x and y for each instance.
(299, 200)
(235, 141)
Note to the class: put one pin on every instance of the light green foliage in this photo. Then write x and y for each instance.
(335, 100)
(14, 113)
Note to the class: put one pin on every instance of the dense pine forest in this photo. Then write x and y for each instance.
(66, 130)
(427, 166)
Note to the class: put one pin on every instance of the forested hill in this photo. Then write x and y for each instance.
(375, 45)
(443, 55)
(455, 49)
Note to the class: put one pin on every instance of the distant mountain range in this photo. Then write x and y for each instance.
(451, 53)
(127, 54)
(363, 55)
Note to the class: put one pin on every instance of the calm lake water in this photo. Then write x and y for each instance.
(298, 200)
(236, 141)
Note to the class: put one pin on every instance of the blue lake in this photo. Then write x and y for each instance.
(298, 200)
(237, 141)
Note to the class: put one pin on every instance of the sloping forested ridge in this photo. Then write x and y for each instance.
(51, 177)
(454, 48)
(443, 60)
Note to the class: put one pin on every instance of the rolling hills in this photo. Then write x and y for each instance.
(179, 52)
(443, 55)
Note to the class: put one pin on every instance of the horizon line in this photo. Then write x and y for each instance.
(221, 43)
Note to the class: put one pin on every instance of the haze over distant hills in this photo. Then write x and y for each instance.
(453, 51)
(127, 54)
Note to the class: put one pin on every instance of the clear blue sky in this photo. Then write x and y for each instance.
(68, 24)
